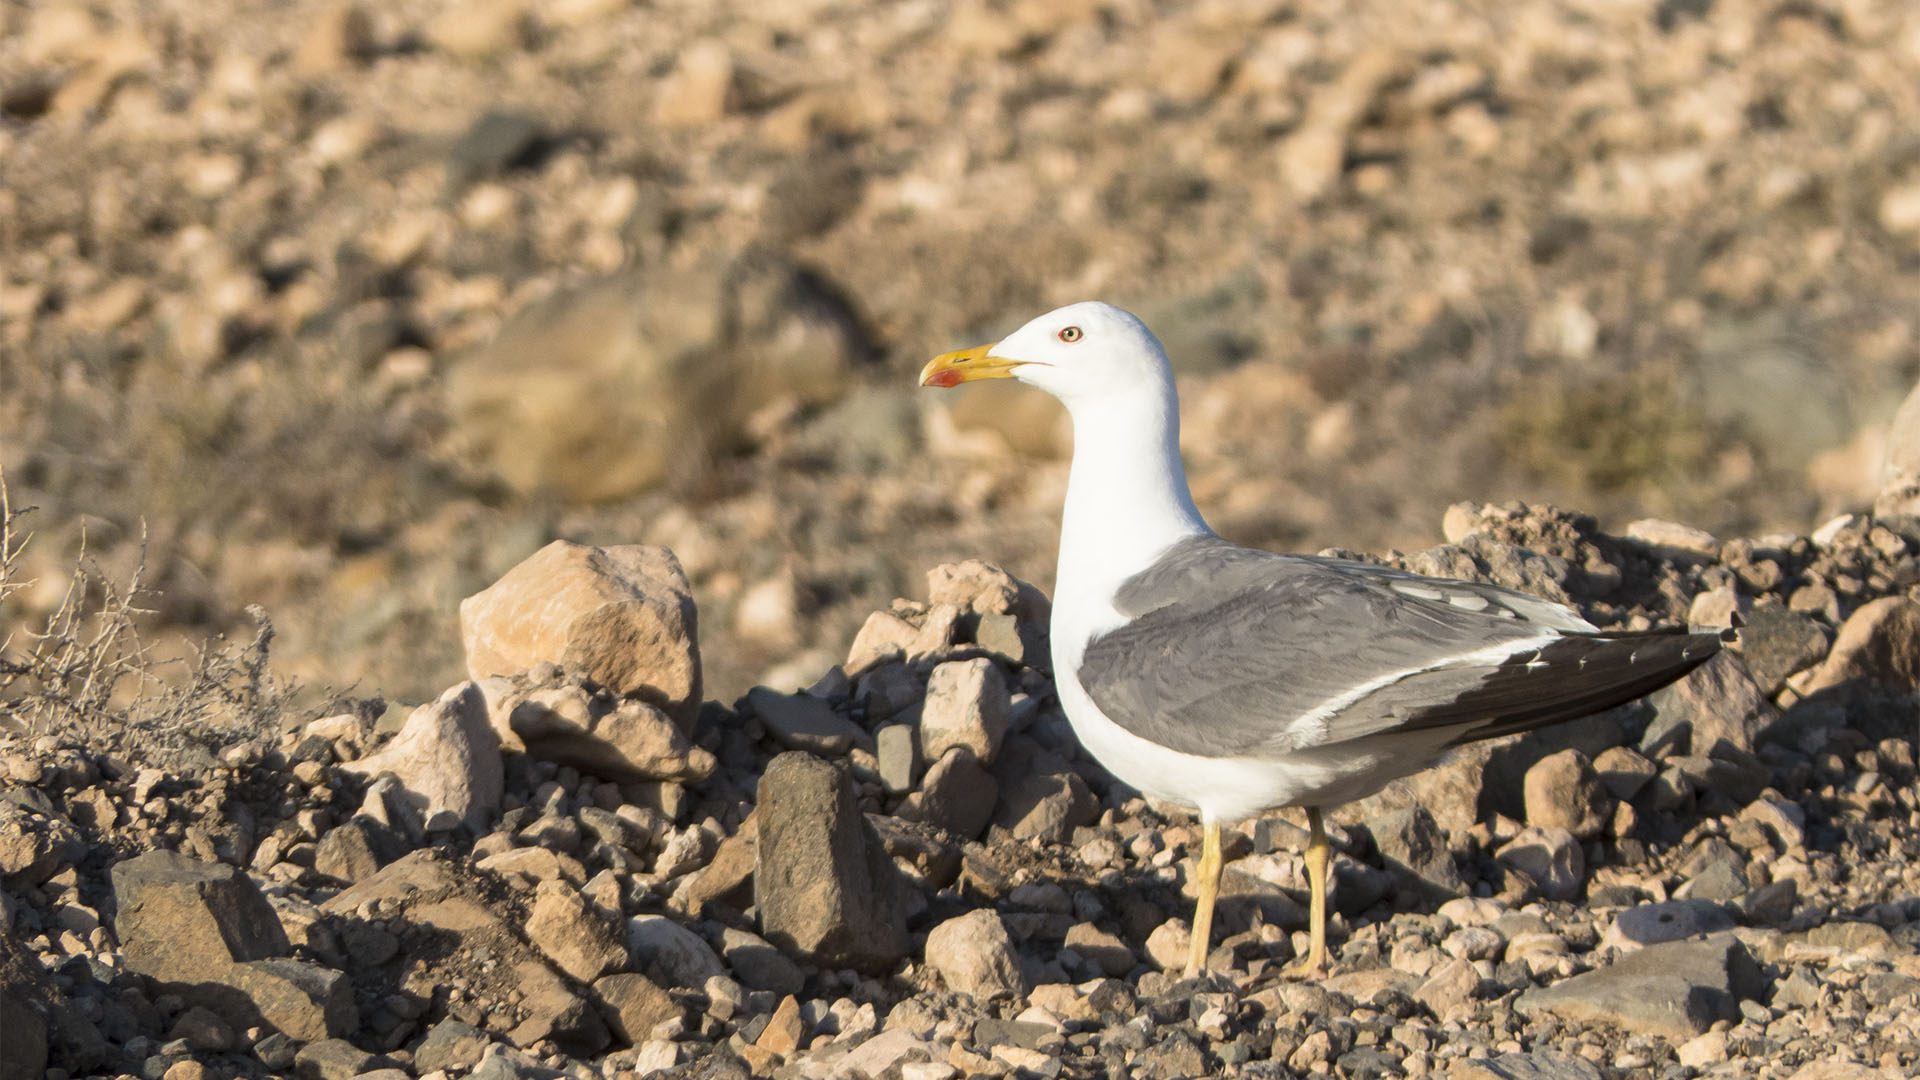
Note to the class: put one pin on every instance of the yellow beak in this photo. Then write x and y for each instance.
(967, 365)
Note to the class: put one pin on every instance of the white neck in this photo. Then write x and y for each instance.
(1127, 497)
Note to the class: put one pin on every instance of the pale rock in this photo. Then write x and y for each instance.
(536, 864)
(1471, 911)
(985, 589)
(697, 93)
(1717, 607)
(1671, 540)
(342, 35)
(883, 637)
(1703, 1050)
(655, 1055)
(1461, 520)
(1900, 209)
(1539, 950)
(786, 1030)
(1551, 857)
(1450, 990)
(1312, 157)
(633, 740)
(685, 850)
(975, 955)
(768, 612)
(670, 954)
(1787, 821)
(939, 630)
(967, 705)
(1562, 791)
(476, 31)
(622, 616)
(1880, 641)
(446, 759)
(1473, 943)
(1168, 944)
(1673, 920)
(885, 1051)
(572, 934)
(1064, 1001)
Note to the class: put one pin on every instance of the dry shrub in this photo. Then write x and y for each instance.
(85, 675)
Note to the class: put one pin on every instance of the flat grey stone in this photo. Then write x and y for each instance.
(758, 965)
(802, 722)
(1676, 990)
(450, 1044)
(899, 753)
(670, 954)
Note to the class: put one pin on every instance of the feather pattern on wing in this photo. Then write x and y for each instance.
(1233, 652)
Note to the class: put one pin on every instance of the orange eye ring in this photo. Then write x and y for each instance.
(1069, 334)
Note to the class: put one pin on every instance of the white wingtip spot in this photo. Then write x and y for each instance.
(1417, 590)
(1468, 601)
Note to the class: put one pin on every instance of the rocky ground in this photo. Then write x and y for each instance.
(344, 308)
(909, 870)
(317, 317)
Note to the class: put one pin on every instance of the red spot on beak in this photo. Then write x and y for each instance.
(949, 377)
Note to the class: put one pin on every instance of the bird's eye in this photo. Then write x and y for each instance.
(1069, 334)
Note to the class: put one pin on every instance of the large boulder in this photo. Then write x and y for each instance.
(183, 920)
(1674, 990)
(621, 616)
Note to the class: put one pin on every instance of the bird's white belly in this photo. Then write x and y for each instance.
(1230, 789)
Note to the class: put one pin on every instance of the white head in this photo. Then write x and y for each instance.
(1082, 352)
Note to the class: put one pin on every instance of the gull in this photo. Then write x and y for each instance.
(1235, 681)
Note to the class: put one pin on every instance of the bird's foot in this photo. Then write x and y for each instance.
(1310, 968)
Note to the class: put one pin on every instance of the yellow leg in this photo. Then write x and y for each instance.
(1318, 855)
(1208, 871)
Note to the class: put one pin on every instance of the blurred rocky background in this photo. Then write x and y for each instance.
(343, 309)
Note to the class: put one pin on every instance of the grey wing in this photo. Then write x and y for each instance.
(1233, 652)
